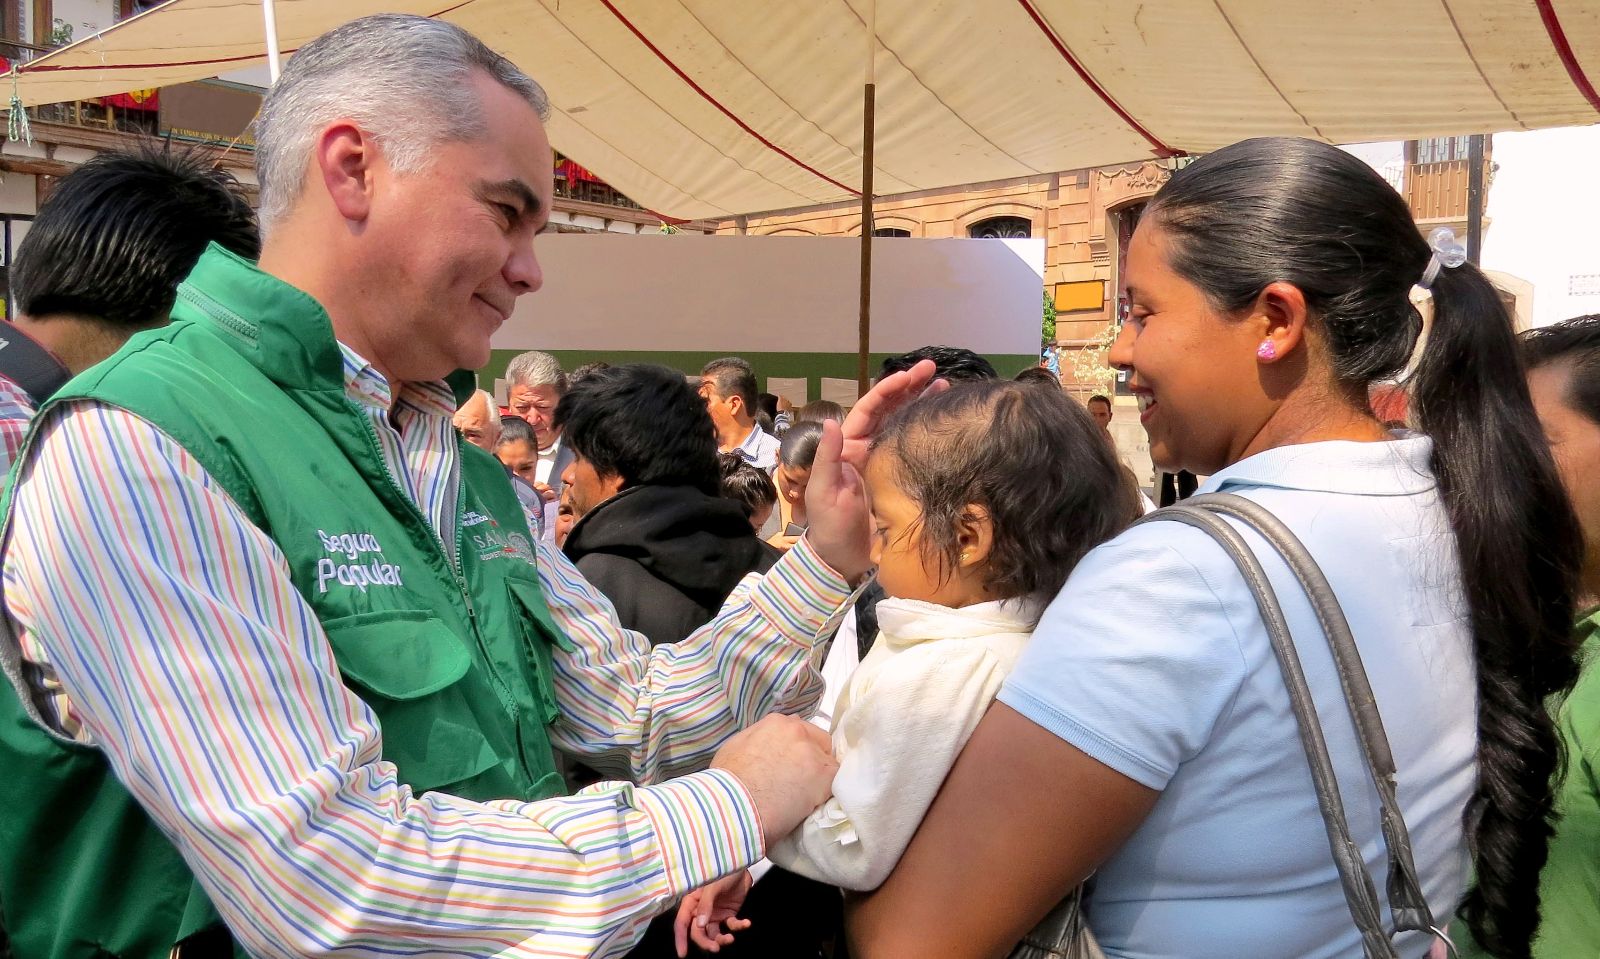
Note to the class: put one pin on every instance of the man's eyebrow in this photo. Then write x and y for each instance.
(515, 188)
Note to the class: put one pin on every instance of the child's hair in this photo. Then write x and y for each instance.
(747, 485)
(818, 410)
(1031, 458)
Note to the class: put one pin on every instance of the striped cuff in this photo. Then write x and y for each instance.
(800, 593)
(706, 826)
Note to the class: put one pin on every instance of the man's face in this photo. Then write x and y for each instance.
(457, 238)
(722, 408)
(587, 487)
(478, 423)
(537, 405)
(1101, 414)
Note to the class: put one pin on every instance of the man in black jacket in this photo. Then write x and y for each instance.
(652, 533)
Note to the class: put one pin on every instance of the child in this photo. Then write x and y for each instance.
(983, 499)
(748, 486)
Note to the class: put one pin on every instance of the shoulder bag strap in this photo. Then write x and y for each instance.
(1408, 905)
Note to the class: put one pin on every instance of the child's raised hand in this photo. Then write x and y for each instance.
(707, 915)
(886, 396)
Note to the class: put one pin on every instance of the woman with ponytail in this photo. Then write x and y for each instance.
(1146, 736)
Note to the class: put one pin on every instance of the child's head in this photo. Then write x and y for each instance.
(749, 486)
(990, 490)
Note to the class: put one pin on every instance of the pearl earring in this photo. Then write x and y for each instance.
(1267, 350)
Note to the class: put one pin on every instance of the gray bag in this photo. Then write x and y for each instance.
(1064, 934)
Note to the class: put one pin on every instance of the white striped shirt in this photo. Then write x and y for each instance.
(182, 649)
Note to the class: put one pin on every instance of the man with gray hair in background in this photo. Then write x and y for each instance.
(280, 658)
(535, 383)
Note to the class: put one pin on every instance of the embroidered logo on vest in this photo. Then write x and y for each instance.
(354, 547)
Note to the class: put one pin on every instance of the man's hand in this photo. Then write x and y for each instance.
(704, 913)
(545, 492)
(787, 766)
(888, 395)
(836, 503)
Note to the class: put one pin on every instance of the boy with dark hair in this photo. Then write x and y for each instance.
(103, 260)
(955, 364)
(652, 531)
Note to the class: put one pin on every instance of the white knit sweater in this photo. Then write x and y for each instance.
(903, 718)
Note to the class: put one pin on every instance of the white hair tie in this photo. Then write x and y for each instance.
(1447, 253)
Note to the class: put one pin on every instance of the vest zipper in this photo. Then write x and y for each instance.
(458, 572)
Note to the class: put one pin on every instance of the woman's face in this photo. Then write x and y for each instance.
(1575, 442)
(792, 482)
(1193, 369)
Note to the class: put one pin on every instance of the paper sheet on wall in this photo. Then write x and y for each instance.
(840, 391)
(500, 389)
(793, 388)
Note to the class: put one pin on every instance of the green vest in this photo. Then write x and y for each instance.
(450, 647)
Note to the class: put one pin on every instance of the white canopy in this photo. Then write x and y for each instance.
(710, 108)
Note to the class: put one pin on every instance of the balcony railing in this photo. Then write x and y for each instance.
(1438, 191)
(87, 114)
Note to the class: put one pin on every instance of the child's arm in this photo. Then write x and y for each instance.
(894, 743)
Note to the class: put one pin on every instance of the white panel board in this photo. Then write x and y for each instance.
(778, 294)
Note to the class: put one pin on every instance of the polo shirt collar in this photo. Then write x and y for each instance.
(1397, 467)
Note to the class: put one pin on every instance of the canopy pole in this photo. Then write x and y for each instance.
(270, 14)
(863, 347)
(1474, 198)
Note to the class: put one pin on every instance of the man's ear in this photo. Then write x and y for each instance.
(344, 156)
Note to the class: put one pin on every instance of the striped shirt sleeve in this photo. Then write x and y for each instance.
(193, 663)
(644, 713)
(16, 412)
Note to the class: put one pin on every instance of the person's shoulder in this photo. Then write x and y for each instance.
(1164, 551)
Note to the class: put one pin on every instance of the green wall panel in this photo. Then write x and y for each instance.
(812, 366)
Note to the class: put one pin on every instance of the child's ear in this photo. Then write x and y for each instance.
(974, 536)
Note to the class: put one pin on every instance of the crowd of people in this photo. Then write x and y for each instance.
(311, 647)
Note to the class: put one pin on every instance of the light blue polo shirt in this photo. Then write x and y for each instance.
(1154, 661)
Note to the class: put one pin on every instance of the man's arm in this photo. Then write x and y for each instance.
(193, 663)
(645, 713)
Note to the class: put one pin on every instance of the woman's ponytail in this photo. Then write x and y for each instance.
(1520, 551)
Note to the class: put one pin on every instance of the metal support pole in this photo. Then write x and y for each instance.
(1475, 185)
(270, 14)
(864, 344)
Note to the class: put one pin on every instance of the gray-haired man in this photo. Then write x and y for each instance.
(282, 660)
(535, 384)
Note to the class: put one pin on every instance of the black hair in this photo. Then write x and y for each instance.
(516, 429)
(1039, 376)
(765, 423)
(955, 364)
(1031, 458)
(119, 233)
(798, 448)
(1576, 344)
(1312, 215)
(768, 404)
(642, 423)
(734, 377)
(818, 410)
(747, 485)
(1100, 398)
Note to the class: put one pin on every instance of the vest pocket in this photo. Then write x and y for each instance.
(409, 667)
(538, 634)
